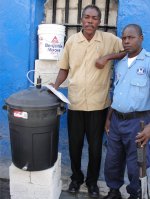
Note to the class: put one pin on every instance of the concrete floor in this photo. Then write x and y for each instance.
(4, 189)
(65, 195)
(66, 172)
(5, 193)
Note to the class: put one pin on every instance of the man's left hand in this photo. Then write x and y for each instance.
(100, 62)
(143, 136)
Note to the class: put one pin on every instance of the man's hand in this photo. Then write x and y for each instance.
(108, 120)
(52, 84)
(107, 125)
(100, 62)
(61, 77)
(143, 136)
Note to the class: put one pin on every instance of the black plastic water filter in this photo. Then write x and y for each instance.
(34, 116)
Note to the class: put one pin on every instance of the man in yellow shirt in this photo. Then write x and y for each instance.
(88, 92)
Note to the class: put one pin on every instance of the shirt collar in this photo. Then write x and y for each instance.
(97, 37)
(141, 55)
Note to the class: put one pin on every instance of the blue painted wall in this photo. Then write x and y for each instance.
(18, 50)
(135, 11)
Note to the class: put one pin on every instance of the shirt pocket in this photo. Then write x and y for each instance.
(138, 88)
(75, 94)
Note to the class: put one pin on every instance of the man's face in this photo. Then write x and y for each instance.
(90, 21)
(132, 41)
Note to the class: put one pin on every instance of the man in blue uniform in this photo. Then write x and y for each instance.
(130, 105)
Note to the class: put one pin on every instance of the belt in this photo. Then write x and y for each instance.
(131, 115)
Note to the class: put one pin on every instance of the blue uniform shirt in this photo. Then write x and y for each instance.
(132, 84)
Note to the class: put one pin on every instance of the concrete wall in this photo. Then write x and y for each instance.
(73, 12)
(73, 6)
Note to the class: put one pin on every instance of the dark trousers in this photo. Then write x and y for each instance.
(91, 124)
(122, 152)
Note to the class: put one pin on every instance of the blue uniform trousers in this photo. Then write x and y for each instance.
(122, 152)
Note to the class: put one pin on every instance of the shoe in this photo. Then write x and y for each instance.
(134, 197)
(74, 187)
(93, 191)
(113, 194)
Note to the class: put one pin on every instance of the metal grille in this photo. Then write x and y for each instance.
(77, 26)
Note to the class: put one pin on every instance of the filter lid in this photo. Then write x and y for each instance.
(33, 98)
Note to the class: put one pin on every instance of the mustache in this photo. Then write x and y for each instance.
(89, 26)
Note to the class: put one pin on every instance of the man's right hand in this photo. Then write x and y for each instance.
(52, 84)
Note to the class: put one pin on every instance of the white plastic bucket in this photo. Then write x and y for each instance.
(51, 41)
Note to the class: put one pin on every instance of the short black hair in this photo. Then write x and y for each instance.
(92, 7)
(136, 26)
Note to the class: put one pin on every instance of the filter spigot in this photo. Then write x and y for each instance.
(39, 82)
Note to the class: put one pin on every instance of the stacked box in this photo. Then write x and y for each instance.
(48, 71)
(45, 184)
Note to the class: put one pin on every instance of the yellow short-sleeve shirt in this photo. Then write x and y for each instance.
(88, 87)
